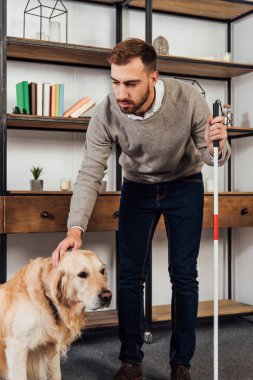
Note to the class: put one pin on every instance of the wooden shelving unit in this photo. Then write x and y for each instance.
(14, 121)
(109, 318)
(15, 202)
(78, 55)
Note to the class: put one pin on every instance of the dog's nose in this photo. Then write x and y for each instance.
(105, 297)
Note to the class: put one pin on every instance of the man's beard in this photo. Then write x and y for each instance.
(135, 107)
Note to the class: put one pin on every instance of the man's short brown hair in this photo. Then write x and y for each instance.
(131, 48)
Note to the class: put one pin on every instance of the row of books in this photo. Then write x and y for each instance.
(44, 99)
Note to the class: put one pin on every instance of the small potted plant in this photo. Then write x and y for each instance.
(36, 184)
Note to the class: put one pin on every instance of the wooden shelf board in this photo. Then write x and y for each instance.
(109, 318)
(215, 9)
(200, 68)
(55, 52)
(239, 131)
(15, 121)
(49, 123)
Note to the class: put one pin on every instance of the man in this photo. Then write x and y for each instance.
(166, 133)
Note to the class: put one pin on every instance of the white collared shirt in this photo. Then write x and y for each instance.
(159, 93)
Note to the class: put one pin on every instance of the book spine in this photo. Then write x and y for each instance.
(20, 96)
(39, 98)
(52, 100)
(77, 105)
(46, 99)
(22, 93)
(83, 109)
(57, 100)
(32, 98)
(61, 99)
(26, 97)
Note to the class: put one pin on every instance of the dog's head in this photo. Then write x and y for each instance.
(81, 278)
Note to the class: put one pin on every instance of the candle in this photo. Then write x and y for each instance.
(65, 184)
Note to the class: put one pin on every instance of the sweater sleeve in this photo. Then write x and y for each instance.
(97, 148)
(199, 121)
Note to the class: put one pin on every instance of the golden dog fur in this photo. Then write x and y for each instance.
(42, 313)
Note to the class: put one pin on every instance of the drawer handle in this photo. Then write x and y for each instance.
(244, 211)
(44, 214)
(115, 215)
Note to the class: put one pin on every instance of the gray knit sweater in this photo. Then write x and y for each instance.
(165, 147)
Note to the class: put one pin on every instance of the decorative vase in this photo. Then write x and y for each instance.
(161, 45)
(36, 184)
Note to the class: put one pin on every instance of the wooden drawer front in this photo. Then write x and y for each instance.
(36, 213)
(105, 214)
(50, 213)
(236, 211)
(208, 212)
(1, 215)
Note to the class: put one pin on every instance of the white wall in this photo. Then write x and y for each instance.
(60, 153)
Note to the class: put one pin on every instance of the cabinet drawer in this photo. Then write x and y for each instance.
(1, 214)
(50, 213)
(36, 213)
(234, 211)
(104, 216)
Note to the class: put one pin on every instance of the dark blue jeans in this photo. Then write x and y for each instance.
(181, 204)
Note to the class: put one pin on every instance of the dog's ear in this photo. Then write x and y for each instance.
(61, 288)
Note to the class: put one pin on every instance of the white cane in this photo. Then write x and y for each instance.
(216, 247)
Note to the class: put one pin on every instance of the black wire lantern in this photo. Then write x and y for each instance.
(53, 11)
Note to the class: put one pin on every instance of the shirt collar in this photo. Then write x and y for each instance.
(159, 93)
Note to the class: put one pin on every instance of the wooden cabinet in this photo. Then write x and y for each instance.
(38, 213)
(49, 213)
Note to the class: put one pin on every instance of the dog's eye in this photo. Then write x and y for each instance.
(103, 271)
(83, 274)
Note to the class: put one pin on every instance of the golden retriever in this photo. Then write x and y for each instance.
(42, 312)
